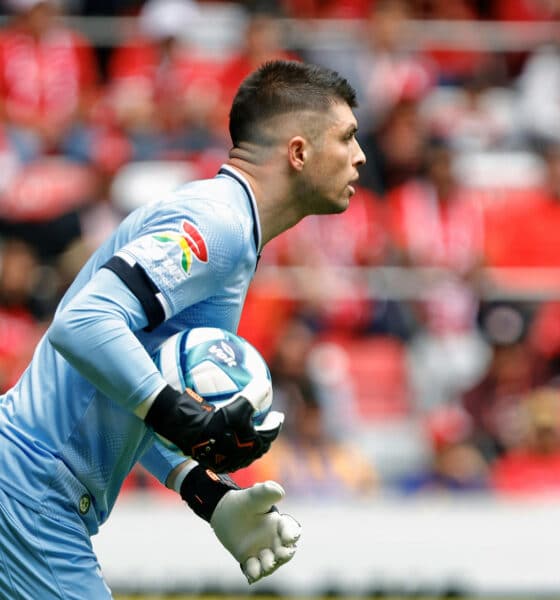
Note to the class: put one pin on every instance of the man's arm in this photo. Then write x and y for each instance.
(245, 521)
(94, 332)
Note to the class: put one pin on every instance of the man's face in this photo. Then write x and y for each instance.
(332, 165)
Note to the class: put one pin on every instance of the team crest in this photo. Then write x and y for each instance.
(191, 243)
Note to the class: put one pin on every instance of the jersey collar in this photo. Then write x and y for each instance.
(234, 174)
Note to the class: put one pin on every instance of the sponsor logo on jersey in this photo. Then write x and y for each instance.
(191, 243)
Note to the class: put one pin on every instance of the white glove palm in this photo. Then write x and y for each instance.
(261, 540)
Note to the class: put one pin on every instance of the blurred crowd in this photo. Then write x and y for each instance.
(414, 341)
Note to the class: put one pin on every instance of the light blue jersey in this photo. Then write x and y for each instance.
(68, 434)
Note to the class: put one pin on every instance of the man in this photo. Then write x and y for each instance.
(92, 401)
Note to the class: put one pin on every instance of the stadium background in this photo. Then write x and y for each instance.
(414, 340)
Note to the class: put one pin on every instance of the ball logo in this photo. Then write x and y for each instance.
(191, 243)
(224, 353)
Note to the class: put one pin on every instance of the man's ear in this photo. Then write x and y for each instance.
(297, 152)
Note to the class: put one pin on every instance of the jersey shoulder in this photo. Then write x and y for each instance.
(216, 208)
(210, 219)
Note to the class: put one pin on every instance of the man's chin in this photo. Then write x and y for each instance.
(345, 202)
(339, 208)
(333, 206)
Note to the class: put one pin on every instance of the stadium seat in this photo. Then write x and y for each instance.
(377, 367)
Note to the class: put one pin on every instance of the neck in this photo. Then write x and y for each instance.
(276, 204)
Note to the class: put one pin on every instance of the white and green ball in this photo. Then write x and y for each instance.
(215, 363)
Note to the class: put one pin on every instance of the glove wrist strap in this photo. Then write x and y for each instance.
(202, 489)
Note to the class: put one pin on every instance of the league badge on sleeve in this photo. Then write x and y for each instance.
(190, 241)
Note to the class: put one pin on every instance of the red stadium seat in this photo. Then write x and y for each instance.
(377, 367)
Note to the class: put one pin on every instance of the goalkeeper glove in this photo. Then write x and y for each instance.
(224, 439)
(246, 521)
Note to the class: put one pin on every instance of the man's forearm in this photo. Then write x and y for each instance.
(99, 342)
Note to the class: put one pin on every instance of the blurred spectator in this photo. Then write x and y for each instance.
(48, 77)
(523, 231)
(48, 81)
(289, 362)
(514, 370)
(434, 220)
(163, 93)
(544, 336)
(437, 224)
(269, 307)
(477, 116)
(19, 328)
(456, 464)
(455, 65)
(380, 64)
(18, 276)
(308, 462)
(263, 40)
(43, 203)
(388, 71)
(333, 298)
(538, 12)
(297, 357)
(371, 372)
(394, 148)
(539, 94)
(532, 465)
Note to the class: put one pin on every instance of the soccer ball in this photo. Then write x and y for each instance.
(216, 364)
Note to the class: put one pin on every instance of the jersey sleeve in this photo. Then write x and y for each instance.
(160, 461)
(179, 263)
(95, 334)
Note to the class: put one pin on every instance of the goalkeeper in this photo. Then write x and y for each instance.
(92, 403)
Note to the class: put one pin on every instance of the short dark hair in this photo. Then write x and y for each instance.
(282, 86)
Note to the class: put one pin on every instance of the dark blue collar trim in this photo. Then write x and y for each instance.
(256, 232)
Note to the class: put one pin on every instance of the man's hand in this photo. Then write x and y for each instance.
(223, 440)
(250, 527)
(246, 521)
